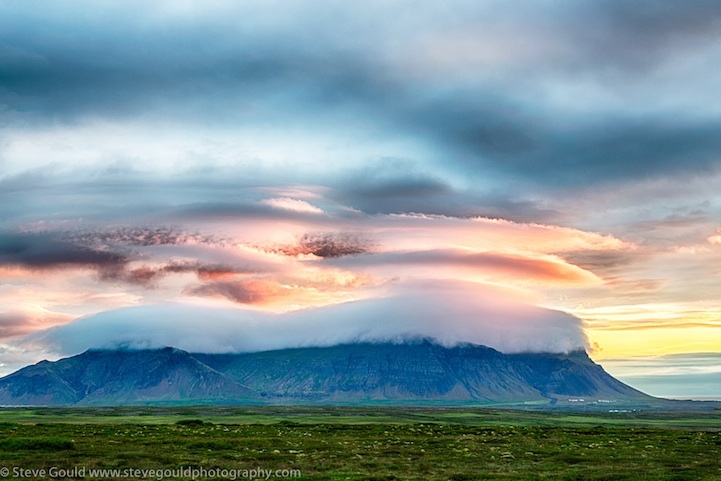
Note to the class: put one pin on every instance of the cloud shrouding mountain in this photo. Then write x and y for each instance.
(448, 312)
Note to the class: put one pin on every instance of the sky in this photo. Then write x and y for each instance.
(533, 176)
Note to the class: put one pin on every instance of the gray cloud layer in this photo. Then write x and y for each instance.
(341, 68)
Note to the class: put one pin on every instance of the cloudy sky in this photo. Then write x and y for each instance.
(222, 175)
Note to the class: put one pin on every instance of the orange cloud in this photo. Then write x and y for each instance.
(460, 263)
(538, 268)
(246, 291)
(270, 293)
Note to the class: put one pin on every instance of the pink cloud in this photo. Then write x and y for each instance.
(18, 322)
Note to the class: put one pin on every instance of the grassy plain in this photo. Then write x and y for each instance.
(339, 443)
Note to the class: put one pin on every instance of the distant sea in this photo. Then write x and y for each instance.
(694, 398)
(694, 376)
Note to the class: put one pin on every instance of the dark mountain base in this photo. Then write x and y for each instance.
(421, 373)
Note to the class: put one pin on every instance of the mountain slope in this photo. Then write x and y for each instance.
(411, 373)
(39, 384)
(379, 372)
(120, 378)
(571, 375)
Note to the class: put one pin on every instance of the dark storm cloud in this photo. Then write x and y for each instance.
(204, 271)
(107, 254)
(328, 245)
(148, 276)
(503, 142)
(141, 236)
(134, 239)
(42, 251)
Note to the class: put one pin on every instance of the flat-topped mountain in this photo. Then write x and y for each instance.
(409, 373)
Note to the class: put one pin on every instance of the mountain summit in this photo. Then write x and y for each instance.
(410, 373)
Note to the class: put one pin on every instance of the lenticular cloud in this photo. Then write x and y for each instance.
(449, 313)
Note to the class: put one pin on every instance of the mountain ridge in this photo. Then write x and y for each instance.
(405, 373)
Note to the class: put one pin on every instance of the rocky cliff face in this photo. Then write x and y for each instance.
(420, 372)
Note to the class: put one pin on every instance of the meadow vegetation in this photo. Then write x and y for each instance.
(336, 443)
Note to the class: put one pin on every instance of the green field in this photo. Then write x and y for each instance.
(338, 443)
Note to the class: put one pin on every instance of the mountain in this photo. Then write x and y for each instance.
(120, 377)
(410, 373)
(414, 372)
